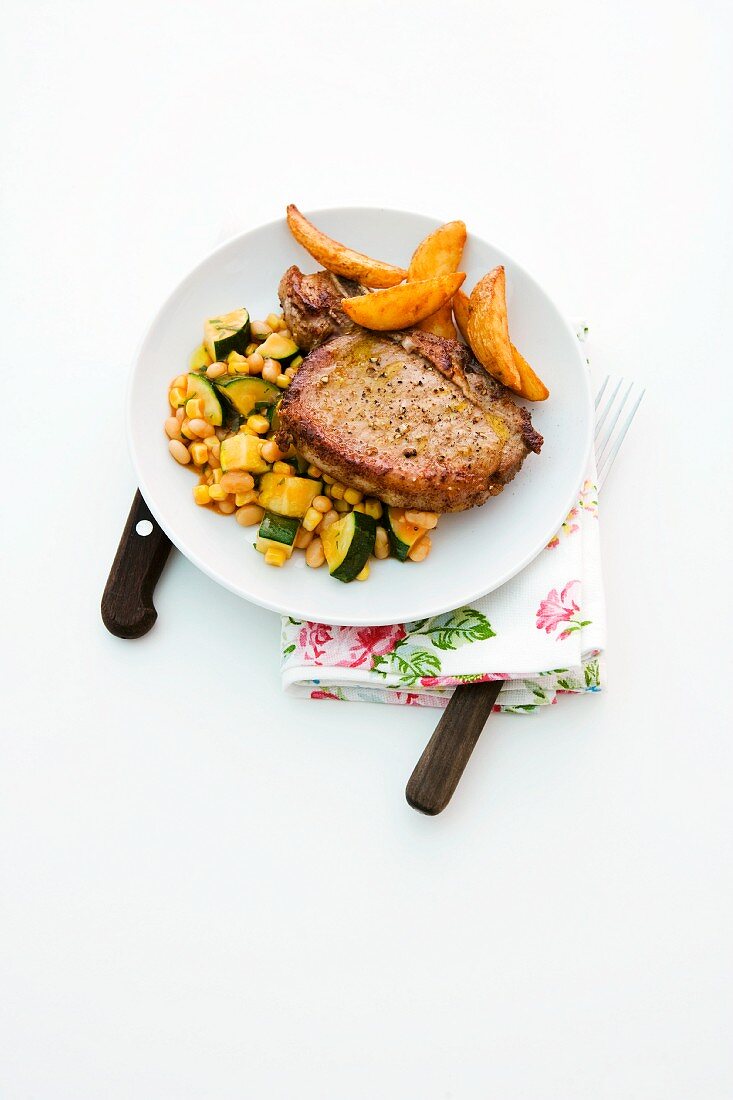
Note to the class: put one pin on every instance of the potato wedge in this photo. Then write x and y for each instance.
(530, 386)
(461, 306)
(402, 306)
(488, 327)
(338, 258)
(439, 254)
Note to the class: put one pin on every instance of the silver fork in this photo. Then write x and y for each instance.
(608, 442)
(446, 754)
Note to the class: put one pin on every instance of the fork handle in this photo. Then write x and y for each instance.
(127, 604)
(439, 769)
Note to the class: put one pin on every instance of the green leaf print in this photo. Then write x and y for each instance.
(454, 629)
(592, 674)
(410, 666)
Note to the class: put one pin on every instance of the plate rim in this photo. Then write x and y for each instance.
(437, 608)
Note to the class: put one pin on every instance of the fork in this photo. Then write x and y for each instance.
(439, 769)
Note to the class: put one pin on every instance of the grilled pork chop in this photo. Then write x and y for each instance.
(408, 417)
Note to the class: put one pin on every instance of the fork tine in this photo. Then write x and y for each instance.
(607, 407)
(610, 457)
(603, 443)
(602, 390)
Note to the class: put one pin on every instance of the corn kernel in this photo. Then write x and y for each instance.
(250, 497)
(313, 471)
(234, 359)
(338, 490)
(201, 494)
(232, 368)
(275, 556)
(187, 432)
(217, 493)
(251, 348)
(199, 453)
(328, 479)
(374, 508)
(218, 475)
(258, 424)
(364, 573)
(341, 506)
(282, 381)
(361, 507)
(283, 468)
(311, 519)
(274, 322)
(353, 496)
(193, 409)
(176, 397)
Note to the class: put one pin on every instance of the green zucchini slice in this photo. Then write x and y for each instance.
(402, 535)
(279, 347)
(348, 543)
(277, 531)
(227, 333)
(200, 387)
(244, 392)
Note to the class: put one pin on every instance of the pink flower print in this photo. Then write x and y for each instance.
(568, 528)
(373, 641)
(313, 639)
(562, 608)
(324, 695)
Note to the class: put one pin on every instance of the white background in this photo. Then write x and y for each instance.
(206, 889)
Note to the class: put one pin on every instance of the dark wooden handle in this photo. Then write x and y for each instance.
(436, 775)
(127, 603)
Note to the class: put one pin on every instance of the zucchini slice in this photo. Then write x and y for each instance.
(247, 391)
(229, 332)
(277, 531)
(200, 387)
(279, 347)
(348, 544)
(402, 535)
(200, 359)
(287, 495)
(242, 452)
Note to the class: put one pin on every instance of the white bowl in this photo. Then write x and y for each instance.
(473, 552)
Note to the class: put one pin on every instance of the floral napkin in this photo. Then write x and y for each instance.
(543, 632)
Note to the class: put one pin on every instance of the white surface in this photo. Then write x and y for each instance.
(477, 550)
(208, 890)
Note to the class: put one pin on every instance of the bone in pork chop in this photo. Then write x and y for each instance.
(408, 417)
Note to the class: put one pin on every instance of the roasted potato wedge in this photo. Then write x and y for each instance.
(338, 258)
(488, 327)
(402, 306)
(439, 254)
(461, 306)
(530, 386)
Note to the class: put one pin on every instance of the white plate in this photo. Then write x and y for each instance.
(473, 552)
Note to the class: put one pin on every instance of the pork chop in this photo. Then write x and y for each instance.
(408, 417)
(312, 305)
